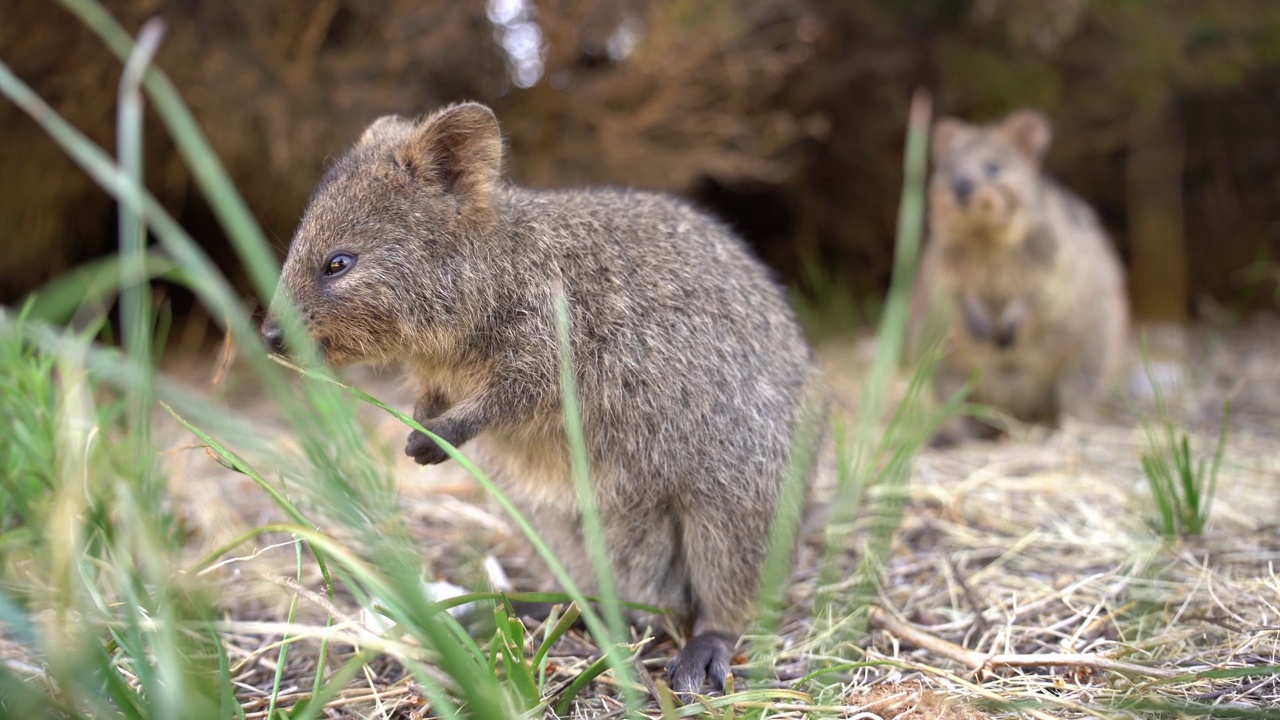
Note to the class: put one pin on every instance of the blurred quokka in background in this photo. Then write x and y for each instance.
(692, 373)
(1018, 278)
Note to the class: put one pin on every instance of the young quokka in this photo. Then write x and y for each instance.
(1018, 274)
(691, 371)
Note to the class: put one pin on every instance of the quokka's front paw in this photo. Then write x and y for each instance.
(424, 450)
(454, 430)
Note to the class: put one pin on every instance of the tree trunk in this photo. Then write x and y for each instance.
(1153, 190)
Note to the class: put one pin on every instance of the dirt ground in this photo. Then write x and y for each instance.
(1035, 544)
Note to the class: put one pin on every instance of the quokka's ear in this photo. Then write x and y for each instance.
(387, 127)
(1029, 131)
(460, 148)
(947, 131)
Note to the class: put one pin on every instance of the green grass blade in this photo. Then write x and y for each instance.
(283, 658)
(509, 638)
(237, 463)
(208, 284)
(554, 633)
(784, 531)
(592, 619)
(227, 707)
(1157, 480)
(20, 700)
(1211, 483)
(579, 683)
(414, 614)
(893, 323)
(212, 178)
(597, 545)
(312, 707)
(892, 333)
(135, 305)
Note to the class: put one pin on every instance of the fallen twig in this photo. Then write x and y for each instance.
(982, 663)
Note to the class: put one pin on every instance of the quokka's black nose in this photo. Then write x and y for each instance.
(274, 336)
(963, 188)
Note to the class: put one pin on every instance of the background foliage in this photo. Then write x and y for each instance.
(784, 116)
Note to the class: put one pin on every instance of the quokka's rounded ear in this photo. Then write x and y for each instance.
(1029, 131)
(947, 131)
(460, 148)
(387, 127)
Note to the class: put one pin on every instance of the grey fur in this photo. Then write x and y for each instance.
(692, 373)
(1018, 276)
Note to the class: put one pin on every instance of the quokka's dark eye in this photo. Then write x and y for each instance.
(992, 169)
(338, 264)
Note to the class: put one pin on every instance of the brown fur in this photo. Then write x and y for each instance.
(1018, 274)
(691, 370)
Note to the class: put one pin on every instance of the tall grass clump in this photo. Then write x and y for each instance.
(1182, 486)
(99, 620)
(113, 622)
(874, 461)
(27, 416)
